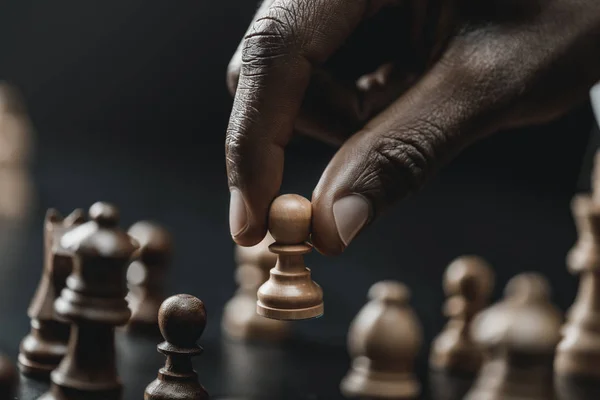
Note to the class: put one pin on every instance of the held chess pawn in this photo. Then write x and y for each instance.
(578, 353)
(94, 303)
(146, 275)
(290, 293)
(383, 341)
(182, 319)
(519, 336)
(468, 283)
(42, 350)
(240, 320)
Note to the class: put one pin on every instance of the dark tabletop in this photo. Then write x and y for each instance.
(518, 228)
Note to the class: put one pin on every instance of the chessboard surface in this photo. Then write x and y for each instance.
(194, 208)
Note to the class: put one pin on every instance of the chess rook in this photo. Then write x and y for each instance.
(383, 341)
(290, 293)
(240, 320)
(42, 350)
(468, 283)
(94, 303)
(147, 274)
(519, 336)
(578, 353)
(182, 319)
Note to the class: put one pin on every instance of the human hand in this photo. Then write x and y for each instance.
(485, 66)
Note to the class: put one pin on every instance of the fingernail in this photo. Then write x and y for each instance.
(350, 213)
(238, 215)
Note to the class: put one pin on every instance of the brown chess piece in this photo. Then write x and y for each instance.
(468, 283)
(383, 341)
(519, 336)
(147, 274)
(578, 354)
(94, 303)
(290, 293)
(42, 350)
(240, 320)
(9, 379)
(182, 319)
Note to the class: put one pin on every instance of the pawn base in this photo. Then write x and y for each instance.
(35, 370)
(161, 389)
(290, 314)
(63, 393)
(361, 383)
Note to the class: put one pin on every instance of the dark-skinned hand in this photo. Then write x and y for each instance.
(402, 86)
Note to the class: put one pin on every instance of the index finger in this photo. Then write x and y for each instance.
(278, 54)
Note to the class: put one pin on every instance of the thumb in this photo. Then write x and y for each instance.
(395, 153)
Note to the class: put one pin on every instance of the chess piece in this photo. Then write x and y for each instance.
(146, 275)
(9, 379)
(240, 320)
(42, 350)
(16, 130)
(383, 341)
(519, 336)
(182, 319)
(290, 293)
(578, 353)
(94, 303)
(468, 283)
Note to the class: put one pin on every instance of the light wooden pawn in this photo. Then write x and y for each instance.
(519, 336)
(290, 293)
(468, 283)
(384, 340)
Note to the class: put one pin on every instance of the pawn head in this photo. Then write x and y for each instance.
(182, 319)
(469, 276)
(528, 287)
(104, 214)
(290, 219)
(390, 292)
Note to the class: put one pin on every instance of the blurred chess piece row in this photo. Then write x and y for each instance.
(577, 362)
(16, 151)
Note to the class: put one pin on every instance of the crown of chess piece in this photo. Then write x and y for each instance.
(15, 128)
(519, 336)
(468, 284)
(290, 293)
(384, 340)
(578, 353)
(147, 274)
(9, 378)
(182, 319)
(240, 320)
(94, 303)
(44, 347)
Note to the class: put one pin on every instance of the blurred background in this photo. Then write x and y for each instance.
(129, 105)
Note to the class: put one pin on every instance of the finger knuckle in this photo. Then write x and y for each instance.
(402, 161)
(270, 37)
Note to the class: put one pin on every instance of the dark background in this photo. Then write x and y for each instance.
(130, 105)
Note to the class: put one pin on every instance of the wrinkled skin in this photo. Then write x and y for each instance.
(401, 86)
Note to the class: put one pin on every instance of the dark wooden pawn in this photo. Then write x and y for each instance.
(182, 319)
(94, 303)
(44, 347)
(146, 276)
